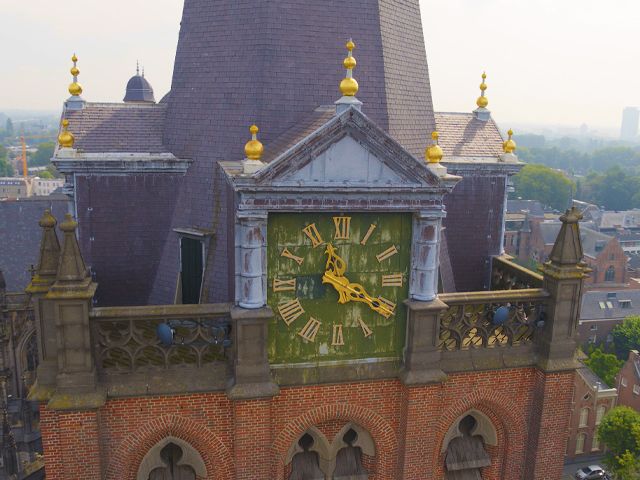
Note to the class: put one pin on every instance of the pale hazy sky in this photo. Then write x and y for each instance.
(547, 61)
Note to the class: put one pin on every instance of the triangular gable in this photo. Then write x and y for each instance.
(348, 150)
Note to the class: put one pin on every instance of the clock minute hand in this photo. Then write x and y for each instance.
(359, 294)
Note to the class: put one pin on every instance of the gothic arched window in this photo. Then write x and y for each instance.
(610, 274)
(172, 459)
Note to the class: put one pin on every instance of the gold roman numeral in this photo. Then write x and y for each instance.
(365, 239)
(284, 285)
(287, 254)
(337, 338)
(392, 280)
(389, 304)
(314, 235)
(310, 330)
(389, 252)
(290, 310)
(365, 328)
(342, 227)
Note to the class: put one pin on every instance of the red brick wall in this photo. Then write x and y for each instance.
(625, 394)
(250, 439)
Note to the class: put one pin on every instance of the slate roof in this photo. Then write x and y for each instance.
(138, 90)
(20, 235)
(118, 127)
(589, 238)
(534, 207)
(591, 379)
(298, 132)
(612, 301)
(462, 135)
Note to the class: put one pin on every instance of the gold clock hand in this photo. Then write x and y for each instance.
(348, 292)
(335, 264)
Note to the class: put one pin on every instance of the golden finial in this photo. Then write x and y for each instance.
(254, 148)
(434, 153)
(483, 101)
(75, 89)
(509, 145)
(349, 85)
(65, 139)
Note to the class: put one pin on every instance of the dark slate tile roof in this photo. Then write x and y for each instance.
(534, 207)
(591, 379)
(118, 127)
(603, 304)
(20, 235)
(298, 132)
(462, 135)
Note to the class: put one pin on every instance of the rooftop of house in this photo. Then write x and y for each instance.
(521, 207)
(615, 304)
(593, 381)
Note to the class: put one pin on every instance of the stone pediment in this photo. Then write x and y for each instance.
(349, 150)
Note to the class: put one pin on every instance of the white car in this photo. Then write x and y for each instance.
(592, 472)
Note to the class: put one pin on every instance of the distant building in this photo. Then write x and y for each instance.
(531, 238)
(628, 382)
(46, 186)
(592, 399)
(20, 187)
(601, 311)
(15, 187)
(629, 129)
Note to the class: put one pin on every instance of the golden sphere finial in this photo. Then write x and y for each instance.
(509, 146)
(483, 101)
(349, 86)
(254, 148)
(65, 139)
(434, 152)
(75, 89)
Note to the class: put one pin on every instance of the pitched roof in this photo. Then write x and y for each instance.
(118, 127)
(615, 304)
(463, 135)
(298, 132)
(20, 235)
(534, 207)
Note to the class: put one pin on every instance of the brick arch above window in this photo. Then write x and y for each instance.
(129, 454)
(190, 457)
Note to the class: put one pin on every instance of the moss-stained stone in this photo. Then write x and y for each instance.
(320, 301)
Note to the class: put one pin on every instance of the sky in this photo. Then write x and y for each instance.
(556, 62)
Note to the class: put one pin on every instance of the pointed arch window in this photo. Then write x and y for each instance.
(610, 274)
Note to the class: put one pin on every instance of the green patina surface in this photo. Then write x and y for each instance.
(320, 301)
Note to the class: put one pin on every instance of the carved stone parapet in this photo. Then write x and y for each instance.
(252, 377)
(422, 355)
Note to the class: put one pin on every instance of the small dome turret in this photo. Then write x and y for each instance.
(139, 89)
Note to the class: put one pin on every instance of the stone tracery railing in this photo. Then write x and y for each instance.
(471, 321)
(125, 338)
(508, 275)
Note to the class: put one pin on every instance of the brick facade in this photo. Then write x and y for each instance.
(628, 382)
(249, 439)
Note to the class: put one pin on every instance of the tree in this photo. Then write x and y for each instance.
(537, 182)
(46, 174)
(6, 169)
(42, 156)
(605, 365)
(619, 430)
(626, 336)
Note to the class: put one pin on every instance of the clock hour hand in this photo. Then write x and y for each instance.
(354, 292)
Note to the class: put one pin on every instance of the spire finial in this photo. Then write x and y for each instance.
(75, 89)
(254, 148)
(137, 67)
(509, 146)
(434, 153)
(349, 85)
(143, 71)
(65, 139)
(483, 101)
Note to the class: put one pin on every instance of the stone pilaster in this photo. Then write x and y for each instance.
(251, 260)
(564, 274)
(425, 250)
(41, 282)
(422, 356)
(71, 296)
(252, 378)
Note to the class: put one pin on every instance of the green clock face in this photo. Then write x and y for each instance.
(336, 284)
